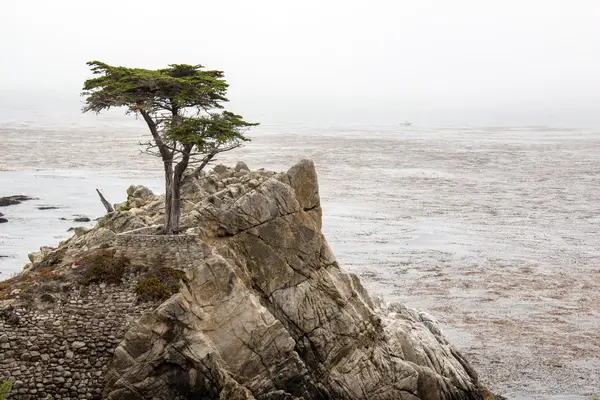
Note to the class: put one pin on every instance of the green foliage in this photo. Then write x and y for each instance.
(150, 288)
(103, 266)
(125, 206)
(209, 134)
(5, 388)
(180, 105)
(177, 102)
(179, 86)
(159, 283)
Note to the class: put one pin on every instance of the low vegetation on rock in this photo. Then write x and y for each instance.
(158, 284)
(102, 265)
(5, 388)
(40, 278)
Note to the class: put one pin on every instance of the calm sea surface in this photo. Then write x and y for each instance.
(495, 230)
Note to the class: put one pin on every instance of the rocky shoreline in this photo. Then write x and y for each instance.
(11, 201)
(259, 309)
(18, 199)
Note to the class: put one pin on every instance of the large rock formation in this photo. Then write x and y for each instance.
(264, 311)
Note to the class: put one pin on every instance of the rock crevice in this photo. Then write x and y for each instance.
(268, 314)
(264, 310)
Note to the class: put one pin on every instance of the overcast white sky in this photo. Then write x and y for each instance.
(298, 59)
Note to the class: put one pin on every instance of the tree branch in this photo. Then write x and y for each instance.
(164, 151)
(106, 204)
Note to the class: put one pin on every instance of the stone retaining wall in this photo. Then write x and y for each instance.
(172, 250)
(64, 349)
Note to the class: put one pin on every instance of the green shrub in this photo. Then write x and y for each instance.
(125, 206)
(103, 266)
(150, 288)
(5, 388)
(158, 284)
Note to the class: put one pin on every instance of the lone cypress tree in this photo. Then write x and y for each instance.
(182, 106)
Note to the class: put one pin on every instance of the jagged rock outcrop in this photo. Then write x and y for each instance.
(264, 310)
(267, 313)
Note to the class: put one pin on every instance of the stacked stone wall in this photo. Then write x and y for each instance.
(61, 344)
(171, 250)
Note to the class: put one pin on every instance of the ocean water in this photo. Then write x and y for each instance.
(494, 230)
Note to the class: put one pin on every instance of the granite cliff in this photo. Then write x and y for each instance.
(248, 302)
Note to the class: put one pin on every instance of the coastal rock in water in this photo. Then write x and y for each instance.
(265, 312)
(3, 220)
(13, 200)
(257, 306)
(48, 208)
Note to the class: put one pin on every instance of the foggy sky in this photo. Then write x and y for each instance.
(305, 57)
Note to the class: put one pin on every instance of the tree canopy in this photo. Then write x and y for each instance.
(182, 106)
(171, 89)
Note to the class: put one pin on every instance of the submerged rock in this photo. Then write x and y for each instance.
(48, 208)
(78, 218)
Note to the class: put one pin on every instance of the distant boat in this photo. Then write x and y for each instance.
(406, 123)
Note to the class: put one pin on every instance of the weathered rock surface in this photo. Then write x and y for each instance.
(264, 311)
(267, 313)
(13, 200)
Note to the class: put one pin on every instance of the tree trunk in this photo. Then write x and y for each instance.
(167, 157)
(175, 206)
(176, 189)
(168, 197)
